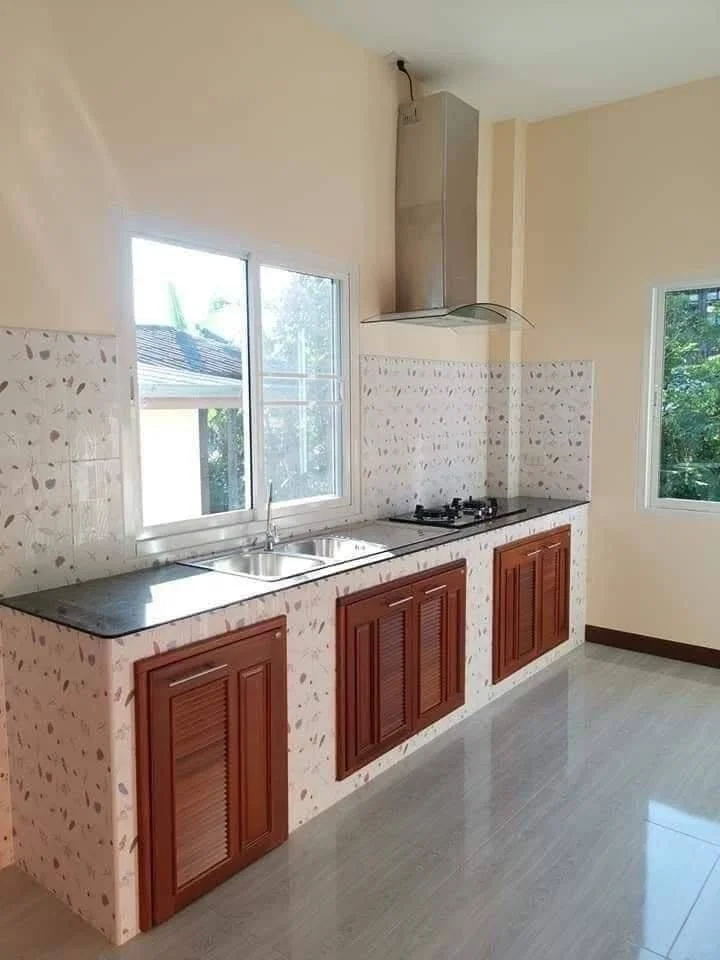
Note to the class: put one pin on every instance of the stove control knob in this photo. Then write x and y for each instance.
(493, 504)
(419, 511)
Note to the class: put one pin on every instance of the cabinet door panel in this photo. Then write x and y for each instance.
(201, 780)
(440, 662)
(555, 591)
(373, 679)
(194, 778)
(400, 662)
(516, 610)
(432, 652)
(531, 600)
(362, 690)
(216, 739)
(525, 599)
(255, 754)
(456, 648)
(392, 656)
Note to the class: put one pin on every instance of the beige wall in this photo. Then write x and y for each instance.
(237, 117)
(619, 198)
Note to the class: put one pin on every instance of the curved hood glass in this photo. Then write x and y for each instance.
(464, 315)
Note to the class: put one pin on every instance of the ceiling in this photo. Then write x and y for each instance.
(537, 58)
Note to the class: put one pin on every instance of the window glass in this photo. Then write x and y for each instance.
(190, 310)
(302, 384)
(205, 449)
(689, 461)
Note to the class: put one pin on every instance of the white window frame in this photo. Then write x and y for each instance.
(650, 498)
(220, 531)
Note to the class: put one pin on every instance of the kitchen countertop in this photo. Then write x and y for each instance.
(116, 606)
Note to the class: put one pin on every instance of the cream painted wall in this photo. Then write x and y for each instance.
(619, 198)
(241, 118)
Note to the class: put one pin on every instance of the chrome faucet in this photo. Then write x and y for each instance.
(271, 535)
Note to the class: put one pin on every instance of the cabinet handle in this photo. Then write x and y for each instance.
(397, 603)
(443, 586)
(196, 676)
(534, 553)
(551, 546)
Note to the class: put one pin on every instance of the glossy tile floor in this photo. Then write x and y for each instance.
(576, 819)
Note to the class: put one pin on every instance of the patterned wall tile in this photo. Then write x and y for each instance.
(6, 841)
(59, 414)
(504, 446)
(93, 407)
(58, 735)
(556, 429)
(424, 430)
(35, 525)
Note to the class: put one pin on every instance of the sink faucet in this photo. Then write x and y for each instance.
(270, 530)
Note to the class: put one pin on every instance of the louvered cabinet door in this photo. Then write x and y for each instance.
(516, 630)
(440, 658)
(217, 743)
(374, 664)
(262, 748)
(400, 662)
(555, 590)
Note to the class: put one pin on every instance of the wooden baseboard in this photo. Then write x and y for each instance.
(688, 652)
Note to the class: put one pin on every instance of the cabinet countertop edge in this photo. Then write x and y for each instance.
(127, 606)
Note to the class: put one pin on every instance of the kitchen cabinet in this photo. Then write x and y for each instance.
(400, 662)
(212, 763)
(531, 600)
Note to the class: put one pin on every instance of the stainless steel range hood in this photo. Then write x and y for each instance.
(436, 219)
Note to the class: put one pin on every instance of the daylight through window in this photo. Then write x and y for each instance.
(685, 398)
(209, 442)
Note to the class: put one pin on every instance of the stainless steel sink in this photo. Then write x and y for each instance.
(336, 549)
(260, 565)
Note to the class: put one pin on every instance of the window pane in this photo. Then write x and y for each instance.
(302, 413)
(302, 451)
(300, 390)
(690, 438)
(191, 335)
(299, 332)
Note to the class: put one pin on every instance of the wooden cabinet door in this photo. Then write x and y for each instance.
(217, 745)
(400, 662)
(440, 658)
(374, 669)
(555, 590)
(517, 608)
(531, 600)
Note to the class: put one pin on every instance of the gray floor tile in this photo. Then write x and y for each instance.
(570, 820)
(700, 937)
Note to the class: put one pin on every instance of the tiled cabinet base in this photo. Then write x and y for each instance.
(71, 716)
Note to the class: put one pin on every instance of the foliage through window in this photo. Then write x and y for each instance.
(686, 395)
(227, 403)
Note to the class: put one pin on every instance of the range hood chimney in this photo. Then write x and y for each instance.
(436, 219)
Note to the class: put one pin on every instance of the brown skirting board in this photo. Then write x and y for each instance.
(688, 652)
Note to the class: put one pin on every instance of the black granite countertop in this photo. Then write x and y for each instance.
(125, 604)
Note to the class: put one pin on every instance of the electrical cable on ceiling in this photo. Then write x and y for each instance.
(403, 69)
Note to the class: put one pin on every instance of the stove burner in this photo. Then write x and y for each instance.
(450, 511)
(460, 513)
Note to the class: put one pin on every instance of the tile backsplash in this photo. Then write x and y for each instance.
(555, 429)
(424, 431)
(60, 486)
(430, 430)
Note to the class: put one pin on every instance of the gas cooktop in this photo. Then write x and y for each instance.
(459, 513)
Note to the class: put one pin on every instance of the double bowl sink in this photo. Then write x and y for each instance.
(289, 559)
